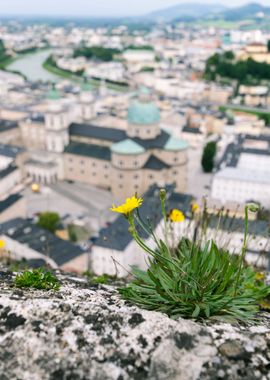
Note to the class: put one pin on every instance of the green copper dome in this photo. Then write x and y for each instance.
(143, 113)
(53, 94)
(127, 147)
(144, 91)
(175, 144)
(86, 87)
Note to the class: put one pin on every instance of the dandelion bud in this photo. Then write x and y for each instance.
(253, 207)
(131, 230)
(195, 207)
(162, 194)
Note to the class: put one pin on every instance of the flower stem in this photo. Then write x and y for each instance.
(243, 251)
(164, 214)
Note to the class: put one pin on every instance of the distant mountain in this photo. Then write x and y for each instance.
(245, 12)
(186, 10)
(194, 11)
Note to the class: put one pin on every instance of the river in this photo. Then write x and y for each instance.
(31, 66)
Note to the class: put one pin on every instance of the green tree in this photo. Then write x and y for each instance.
(208, 157)
(2, 47)
(268, 45)
(225, 66)
(49, 221)
(96, 52)
(143, 47)
(72, 234)
(229, 55)
(265, 117)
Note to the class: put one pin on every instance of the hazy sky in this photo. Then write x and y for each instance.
(97, 7)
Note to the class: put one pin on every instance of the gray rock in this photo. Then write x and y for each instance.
(233, 350)
(85, 332)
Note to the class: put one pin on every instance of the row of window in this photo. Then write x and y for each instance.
(136, 176)
(135, 163)
(94, 164)
(136, 187)
(55, 122)
(137, 131)
(83, 172)
(120, 163)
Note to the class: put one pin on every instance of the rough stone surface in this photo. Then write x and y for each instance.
(84, 332)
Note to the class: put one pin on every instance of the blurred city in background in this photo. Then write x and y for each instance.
(97, 106)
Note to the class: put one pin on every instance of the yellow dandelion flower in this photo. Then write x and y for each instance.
(127, 207)
(264, 304)
(260, 276)
(2, 244)
(176, 216)
(195, 207)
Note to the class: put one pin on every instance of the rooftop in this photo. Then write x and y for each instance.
(243, 144)
(5, 172)
(158, 142)
(256, 227)
(40, 240)
(175, 144)
(143, 113)
(9, 201)
(37, 118)
(245, 175)
(89, 150)
(6, 125)
(96, 132)
(115, 135)
(127, 147)
(41, 164)
(154, 163)
(191, 130)
(10, 150)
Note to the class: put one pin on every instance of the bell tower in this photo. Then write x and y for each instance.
(57, 123)
(86, 103)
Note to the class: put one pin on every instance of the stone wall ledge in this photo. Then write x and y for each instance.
(86, 332)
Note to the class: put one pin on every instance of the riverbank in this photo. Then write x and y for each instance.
(6, 60)
(263, 114)
(49, 66)
(29, 65)
(38, 66)
(10, 60)
(5, 63)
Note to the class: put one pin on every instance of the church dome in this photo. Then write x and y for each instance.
(53, 94)
(86, 87)
(86, 95)
(175, 144)
(143, 113)
(127, 147)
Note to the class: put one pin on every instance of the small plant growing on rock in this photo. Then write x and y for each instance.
(103, 279)
(194, 279)
(37, 279)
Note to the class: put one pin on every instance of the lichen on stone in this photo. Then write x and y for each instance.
(86, 331)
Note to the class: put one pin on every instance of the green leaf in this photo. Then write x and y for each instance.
(196, 312)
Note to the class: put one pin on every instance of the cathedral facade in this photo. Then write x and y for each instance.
(68, 145)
